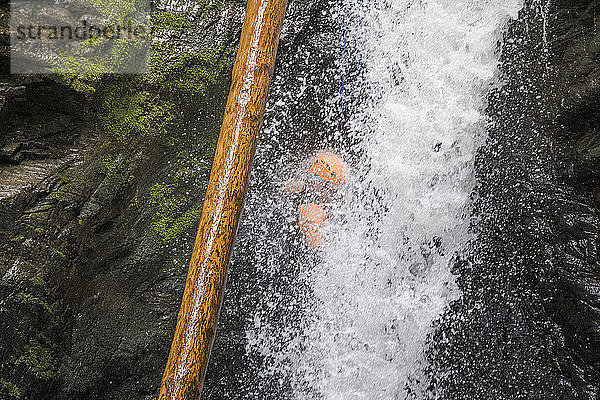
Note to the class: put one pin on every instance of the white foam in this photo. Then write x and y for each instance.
(385, 275)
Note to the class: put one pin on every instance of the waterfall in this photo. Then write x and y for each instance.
(358, 311)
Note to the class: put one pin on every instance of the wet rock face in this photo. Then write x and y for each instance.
(527, 325)
(80, 308)
(575, 306)
(41, 121)
(97, 218)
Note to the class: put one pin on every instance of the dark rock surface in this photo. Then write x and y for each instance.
(95, 229)
(88, 295)
(528, 325)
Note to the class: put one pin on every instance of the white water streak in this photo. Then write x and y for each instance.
(385, 275)
(429, 66)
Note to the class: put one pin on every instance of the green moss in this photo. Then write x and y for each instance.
(98, 55)
(173, 211)
(174, 208)
(107, 161)
(143, 113)
(169, 64)
(38, 280)
(82, 86)
(40, 360)
(165, 20)
(593, 153)
(62, 187)
(118, 10)
(139, 112)
(183, 71)
(110, 55)
(190, 167)
(135, 109)
(11, 388)
(60, 254)
(128, 113)
(27, 298)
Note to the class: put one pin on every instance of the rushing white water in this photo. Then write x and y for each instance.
(384, 273)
